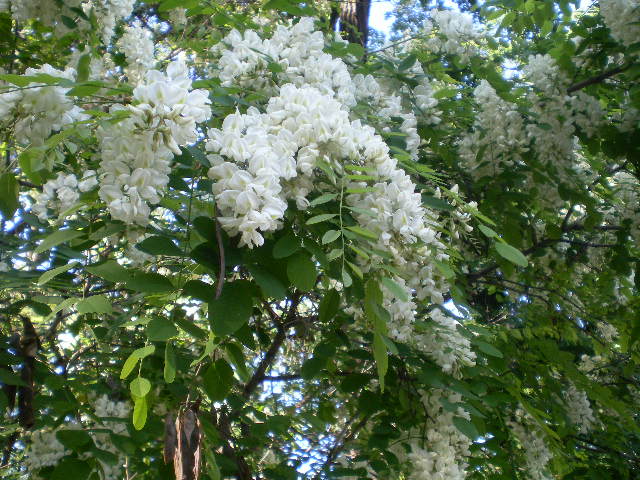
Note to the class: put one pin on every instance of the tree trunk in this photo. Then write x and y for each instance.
(354, 20)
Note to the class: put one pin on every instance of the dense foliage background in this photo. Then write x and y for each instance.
(258, 241)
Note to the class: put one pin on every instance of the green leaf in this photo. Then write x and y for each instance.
(487, 231)
(56, 238)
(488, 349)
(140, 386)
(95, 304)
(233, 309)
(54, 272)
(84, 68)
(466, 427)
(363, 232)
(158, 245)
(191, 328)
(407, 62)
(396, 289)
(321, 218)
(9, 192)
(329, 306)
(324, 198)
(10, 378)
(169, 363)
(73, 439)
(302, 271)
(139, 412)
(111, 271)
(159, 329)
(71, 468)
(330, 236)
(150, 282)
(381, 357)
(270, 285)
(288, 6)
(133, 359)
(286, 246)
(512, 254)
(217, 380)
(445, 269)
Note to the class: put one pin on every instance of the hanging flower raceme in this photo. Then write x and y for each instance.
(136, 152)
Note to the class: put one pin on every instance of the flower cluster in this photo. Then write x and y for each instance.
(61, 193)
(537, 454)
(579, 409)
(295, 52)
(622, 17)
(136, 152)
(40, 108)
(498, 132)
(107, 408)
(44, 450)
(442, 453)
(137, 45)
(109, 13)
(456, 33)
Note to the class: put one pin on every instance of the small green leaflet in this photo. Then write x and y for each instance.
(169, 363)
(94, 304)
(56, 238)
(286, 246)
(218, 380)
(330, 236)
(466, 427)
(512, 254)
(381, 357)
(363, 232)
(302, 271)
(140, 386)
(321, 218)
(8, 195)
(396, 289)
(50, 274)
(487, 231)
(159, 329)
(133, 359)
(233, 309)
(140, 412)
(111, 271)
(157, 245)
(327, 197)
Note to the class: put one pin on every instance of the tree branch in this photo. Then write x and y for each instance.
(597, 79)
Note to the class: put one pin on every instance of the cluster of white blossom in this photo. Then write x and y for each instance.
(579, 409)
(440, 452)
(296, 50)
(137, 45)
(107, 410)
(622, 17)
(627, 193)
(537, 454)
(43, 450)
(39, 109)
(48, 12)
(499, 133)
(109, 13)
(61, 193)
(456, 33)
(136, 152)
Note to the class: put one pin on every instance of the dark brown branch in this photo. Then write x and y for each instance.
(597, 79)
(265, 363)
